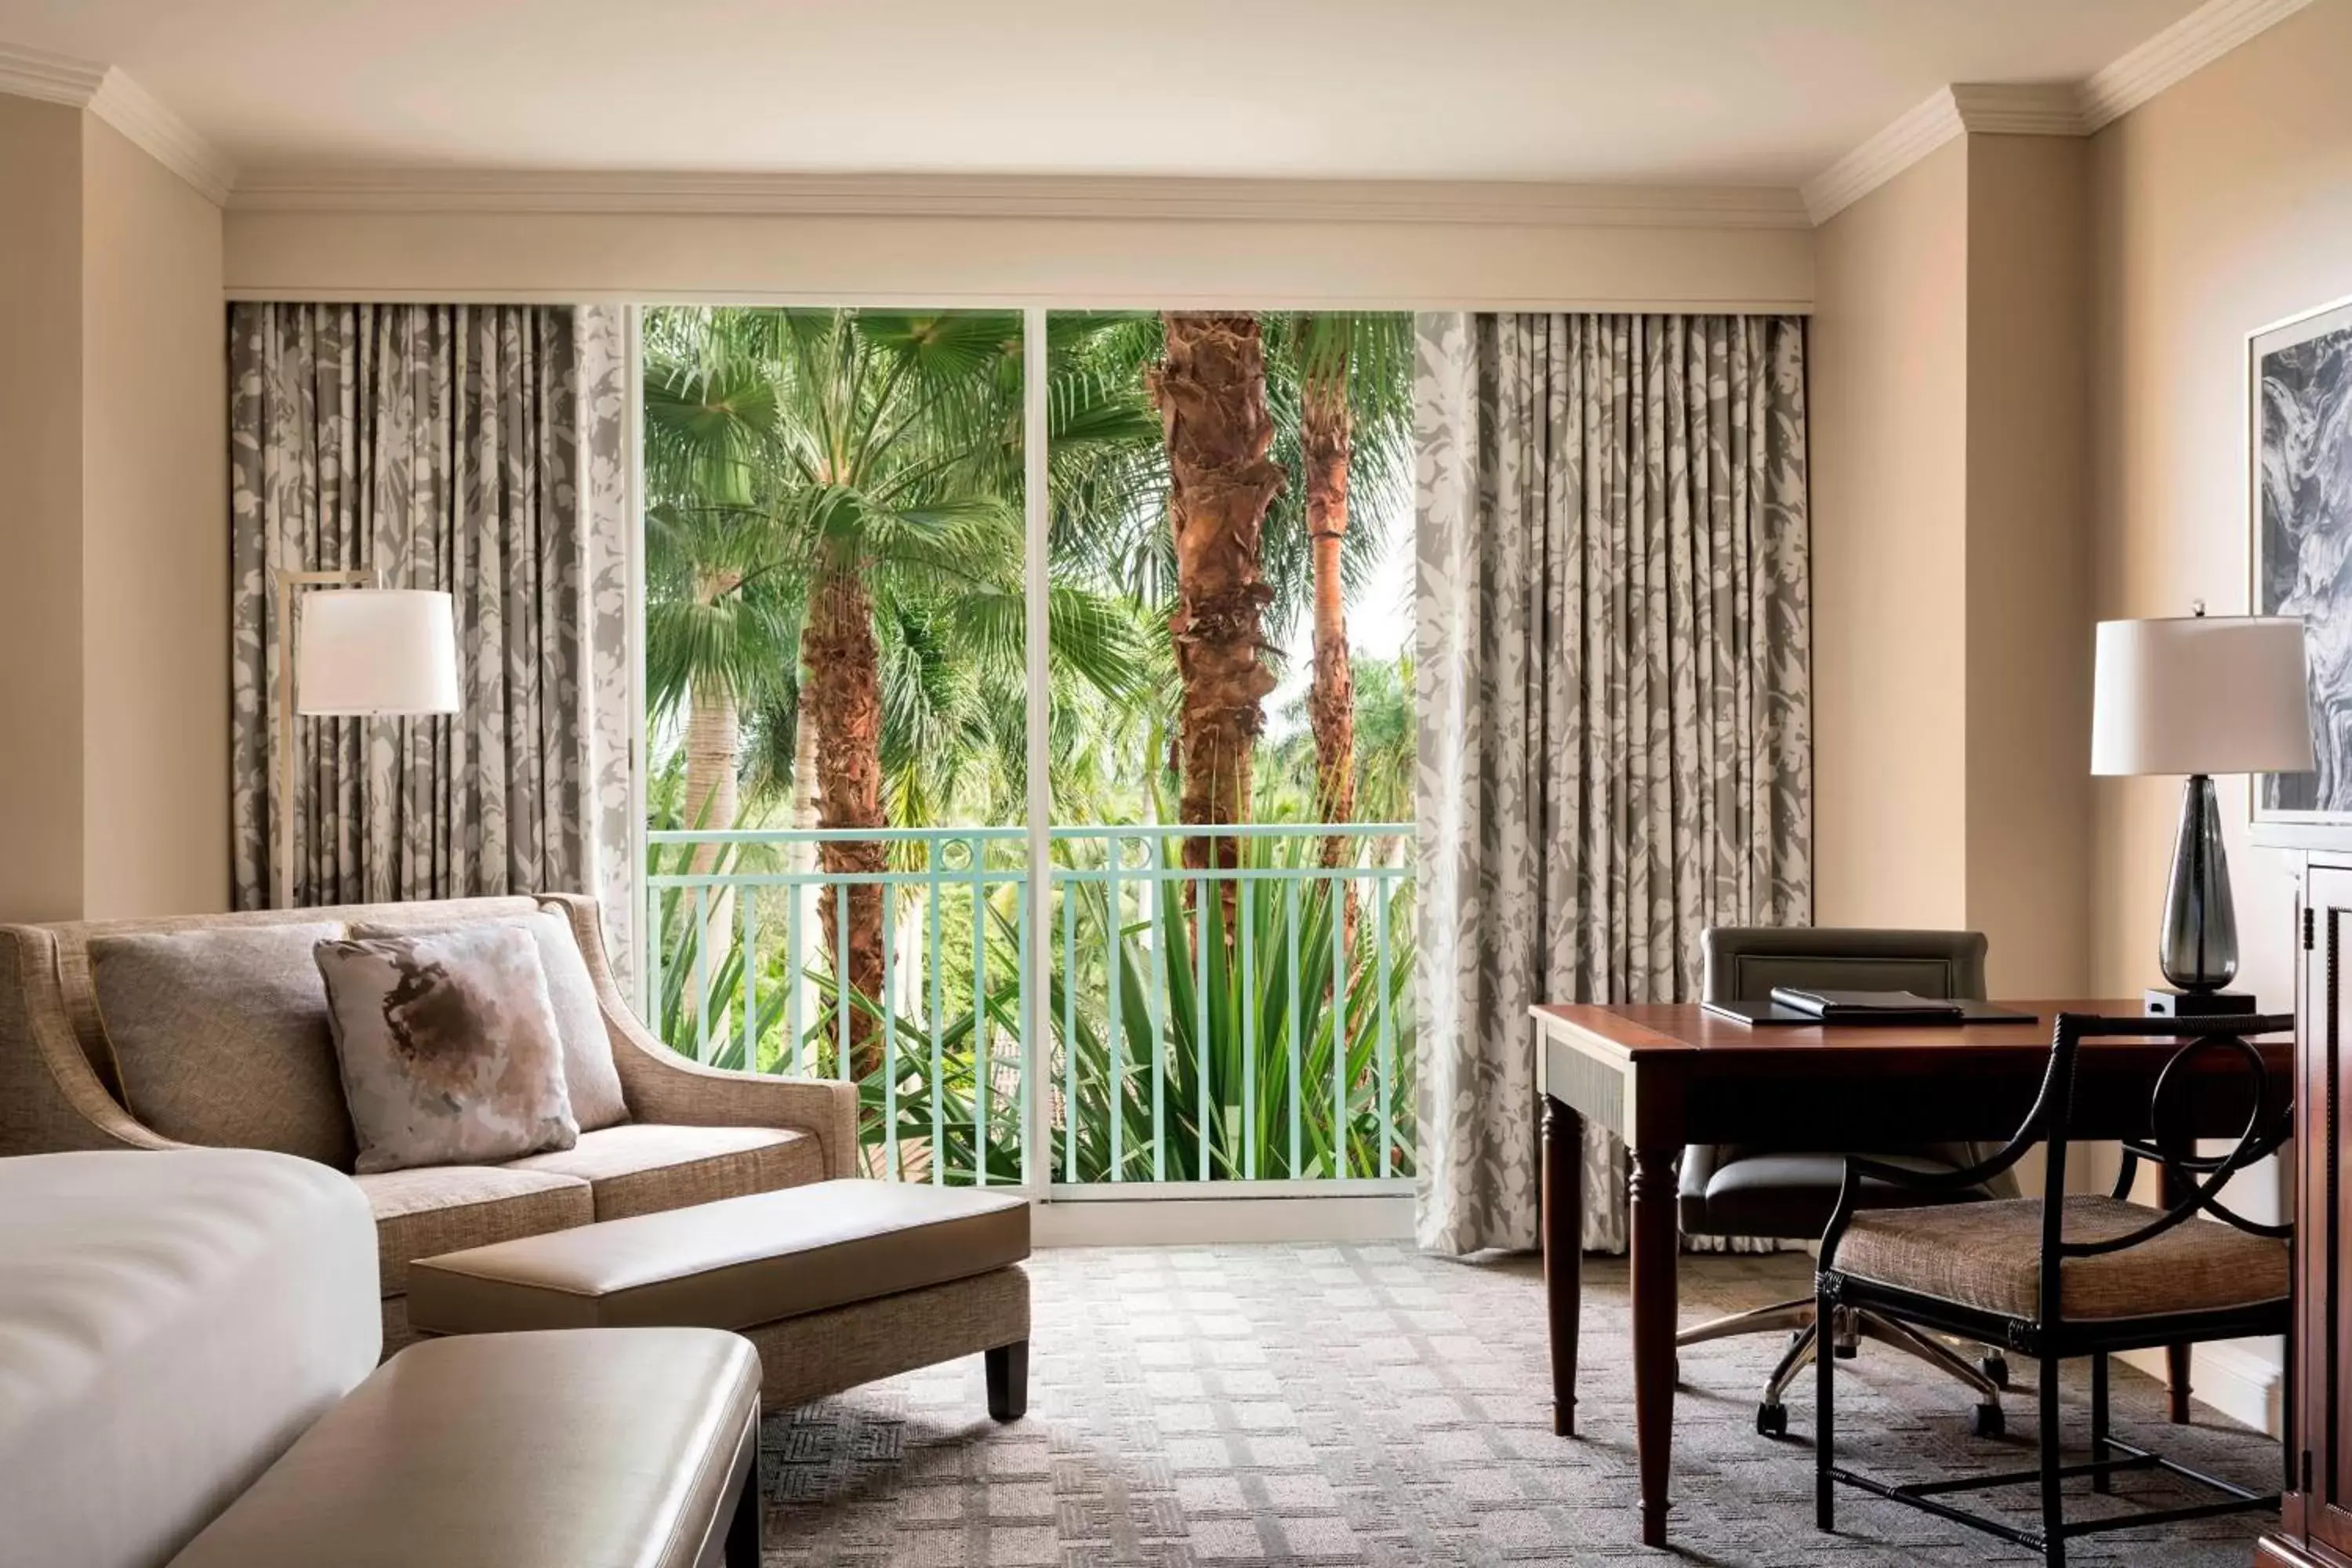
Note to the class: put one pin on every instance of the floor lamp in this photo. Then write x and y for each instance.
(364, 652)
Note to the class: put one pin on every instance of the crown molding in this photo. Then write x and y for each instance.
(52, 79)
(110, 94)
(1000, 197)
(164, 135)
(2044, 108)
(1934, 121)
(2017, 109)
(2198, 39)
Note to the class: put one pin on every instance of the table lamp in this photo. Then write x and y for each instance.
(2200, 695)
(363, 651)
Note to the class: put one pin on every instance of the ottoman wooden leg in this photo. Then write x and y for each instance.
(1008, 1381)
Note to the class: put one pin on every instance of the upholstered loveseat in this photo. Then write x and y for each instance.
(237, 1069)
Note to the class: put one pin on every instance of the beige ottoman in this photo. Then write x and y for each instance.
(836, 1284)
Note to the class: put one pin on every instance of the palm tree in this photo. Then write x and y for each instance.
(862, 468)
(1209, 386)
(1355, 417)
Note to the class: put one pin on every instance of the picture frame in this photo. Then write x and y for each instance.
(2298, 466)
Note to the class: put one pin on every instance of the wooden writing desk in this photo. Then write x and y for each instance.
(1661, 1076)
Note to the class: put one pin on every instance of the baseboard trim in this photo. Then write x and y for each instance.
(2228, 1378)
(1207, 1222)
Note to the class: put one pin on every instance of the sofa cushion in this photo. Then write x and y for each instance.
(448, 1047)
(646, 1167)
(728, 1264)
(221, 1037)
(589, 1075)
(447, 1208)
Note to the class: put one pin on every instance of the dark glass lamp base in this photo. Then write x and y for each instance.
(2163, 1001)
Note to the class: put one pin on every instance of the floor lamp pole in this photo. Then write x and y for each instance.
(281, 859)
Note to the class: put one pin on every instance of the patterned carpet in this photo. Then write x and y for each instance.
(1366, 1405)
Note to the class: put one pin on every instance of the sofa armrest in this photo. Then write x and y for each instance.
(663, 1087)
(50, 1101)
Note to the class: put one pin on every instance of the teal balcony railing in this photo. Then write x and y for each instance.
(1247, 1027)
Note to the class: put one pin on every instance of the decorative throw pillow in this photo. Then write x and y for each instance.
(449, 1047)
(588, 1071)
(221, 1037)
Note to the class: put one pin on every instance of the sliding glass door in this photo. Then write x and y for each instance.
(1148, 934)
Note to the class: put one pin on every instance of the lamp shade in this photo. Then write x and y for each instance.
(2201, 694)
(376, 651)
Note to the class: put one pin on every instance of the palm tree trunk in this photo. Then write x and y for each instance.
(1324, 432)
(841, 698)
(1211, 389)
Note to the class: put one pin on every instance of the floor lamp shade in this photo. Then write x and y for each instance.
(370, 651)
(2200, 695)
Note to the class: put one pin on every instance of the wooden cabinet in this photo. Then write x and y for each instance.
(2315, 1519)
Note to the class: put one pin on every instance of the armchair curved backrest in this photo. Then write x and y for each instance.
(2051, 1124)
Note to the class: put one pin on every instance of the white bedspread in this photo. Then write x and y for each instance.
(169, 1322)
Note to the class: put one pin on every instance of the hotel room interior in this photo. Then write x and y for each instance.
(1308, 783)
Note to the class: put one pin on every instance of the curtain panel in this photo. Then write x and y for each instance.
(1612, 689)
(475, 449)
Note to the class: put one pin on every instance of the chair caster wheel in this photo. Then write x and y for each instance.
(1772, 1420)
(1845, 1351)
(1995, 1367)
(1986, 1421)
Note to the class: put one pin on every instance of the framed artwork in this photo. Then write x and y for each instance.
(2299, 380)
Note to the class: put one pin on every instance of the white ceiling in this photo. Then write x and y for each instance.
(1739, 91)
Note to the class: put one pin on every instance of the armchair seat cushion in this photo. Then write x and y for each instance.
(1791, 1195)
(1987, 1255)
(434, 1209)
(646, 1167)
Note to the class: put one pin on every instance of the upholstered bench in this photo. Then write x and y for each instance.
(636, 1447)
(835, 1283)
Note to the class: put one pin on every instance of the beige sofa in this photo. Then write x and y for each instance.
(693, 1133)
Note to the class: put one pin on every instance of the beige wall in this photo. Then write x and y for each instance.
(1072, 261)
(2028, 648)
(154, 539)
(1950, 644)
(1888, 379)
(2220, 208)
(41, 511)
(113, 539)
(2224, 205)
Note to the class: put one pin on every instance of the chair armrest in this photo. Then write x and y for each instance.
(50, 1101)
(662, 1087)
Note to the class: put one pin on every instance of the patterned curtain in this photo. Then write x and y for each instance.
(1612, 686)
(477, 449)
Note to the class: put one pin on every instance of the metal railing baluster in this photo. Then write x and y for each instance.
(937, 1014)
(1298, 1021)
(1114, 950)
(890, 1029)
(1339, 917)
(747, 906)
(1247, 921)
(792, 978)
(843, 990)
(1201, 940)
(1069, 1031)
(982, 1041)
(1387, 1068)
(1156, 1001)
(703, 975)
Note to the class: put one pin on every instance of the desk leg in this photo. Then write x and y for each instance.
(1655, 1243)
(2175, 1188)
(1563, 1252)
